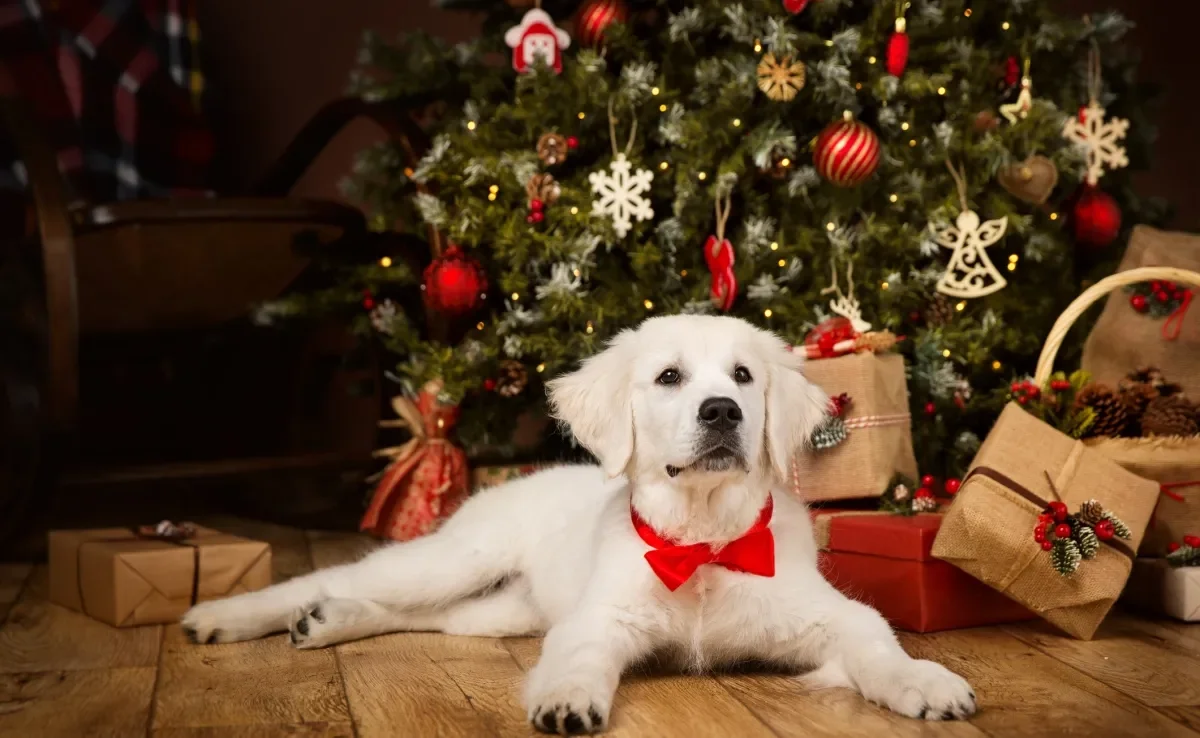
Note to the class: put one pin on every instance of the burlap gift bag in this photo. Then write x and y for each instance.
(879, 445)
(1124, 339)
(1174, 463)
(988, 530)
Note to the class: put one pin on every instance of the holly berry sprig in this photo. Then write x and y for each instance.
(1054, 402)
(1158, 298)
(901, 499)
(1071, 539)
(1185, 554)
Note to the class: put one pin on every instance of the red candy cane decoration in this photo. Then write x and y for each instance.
(718, 253)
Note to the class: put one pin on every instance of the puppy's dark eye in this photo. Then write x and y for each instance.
(741, 375)
(669, 376)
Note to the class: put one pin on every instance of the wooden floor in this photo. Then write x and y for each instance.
(63, 674)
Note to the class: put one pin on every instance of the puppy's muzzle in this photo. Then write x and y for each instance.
(720, 415)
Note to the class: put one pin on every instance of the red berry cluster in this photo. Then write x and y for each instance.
(838, 405)
(1025, 391)
(368, 302)
(1056, 515)
(1157, 297)
(928, 481)
(1190, 541)
(537, 212)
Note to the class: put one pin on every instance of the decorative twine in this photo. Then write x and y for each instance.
(1053, 489)
(722, 213)
(876, 421)
(612, 130)
(960, 178)
(1169, 489)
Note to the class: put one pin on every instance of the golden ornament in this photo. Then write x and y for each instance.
(780, 79)
(543, 187)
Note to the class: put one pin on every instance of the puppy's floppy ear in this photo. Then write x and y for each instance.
(795, 406)
(597, 403)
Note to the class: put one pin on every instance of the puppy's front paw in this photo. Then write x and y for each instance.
(920, 689)
(224, 621)
(569, 707)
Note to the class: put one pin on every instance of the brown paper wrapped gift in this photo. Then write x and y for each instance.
(122, 578)
(988, 530)
(1124, 339)
(879, 444)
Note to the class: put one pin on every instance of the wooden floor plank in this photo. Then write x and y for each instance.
(396, 687)
(1125, 658)
(98, 702)
(265, 682)
(665, 705)
(1023, 691)
(303, 730)
(262, 682)
(1185, 715)
(12, 580)
(40, 636)
(791, 709)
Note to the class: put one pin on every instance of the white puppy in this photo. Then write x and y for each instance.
(695, 420)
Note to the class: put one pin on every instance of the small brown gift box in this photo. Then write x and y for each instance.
(122, 578)
(988, 530)
(879, 445)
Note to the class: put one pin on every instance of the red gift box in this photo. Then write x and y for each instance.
(884, 561)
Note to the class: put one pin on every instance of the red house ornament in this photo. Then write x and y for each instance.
(537, 38)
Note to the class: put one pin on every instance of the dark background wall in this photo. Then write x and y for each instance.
(272, 63)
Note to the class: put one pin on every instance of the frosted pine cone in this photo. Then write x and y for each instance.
(1136, 397)
(1112, 414)
(1091, 512)
(939, 311)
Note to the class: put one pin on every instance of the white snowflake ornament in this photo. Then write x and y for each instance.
(383, 317)
(621, 194)
(970, 272)
(1098, 138)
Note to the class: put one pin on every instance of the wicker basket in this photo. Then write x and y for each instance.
(1172, 461)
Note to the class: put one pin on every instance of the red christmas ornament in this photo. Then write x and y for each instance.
(897, 48)
(1097, 218)
(572, 142)
(1193, 541)
(1139, 303)
(922, 493)
(489, 384)
(595, 16)
(719, 255)
(795, 6)
(847, 152)
(952, 486)
(454, 283)
(1104, 530)
(1047, 545)
(927, 480)
(368, 302)
(1058, 510)
(1062, 530)
(1172, 547)
(1012, 71)
(930, 408)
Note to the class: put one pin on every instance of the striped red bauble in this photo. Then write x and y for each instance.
(595, 16)
(847, 152)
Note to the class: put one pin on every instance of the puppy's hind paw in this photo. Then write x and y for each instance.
(564, 719)
(920, 689)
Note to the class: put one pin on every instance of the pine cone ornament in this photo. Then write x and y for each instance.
(829, 434)
(552, 148)
(1136, 397)
(543, 187)
(1111, 413)
(1172, 415)
(1091, 512)
(939, 311)
(1148, 375)
(512, 379)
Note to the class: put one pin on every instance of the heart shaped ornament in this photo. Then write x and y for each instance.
(1031, 180)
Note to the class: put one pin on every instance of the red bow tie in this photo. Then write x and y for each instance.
(753, 553)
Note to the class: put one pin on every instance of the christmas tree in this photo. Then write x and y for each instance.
(955, 170)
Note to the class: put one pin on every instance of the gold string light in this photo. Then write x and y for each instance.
(385, 262)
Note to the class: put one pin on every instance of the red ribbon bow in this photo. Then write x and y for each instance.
(753, 553)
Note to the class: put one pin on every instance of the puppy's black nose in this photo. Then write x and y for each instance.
(720, 413)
